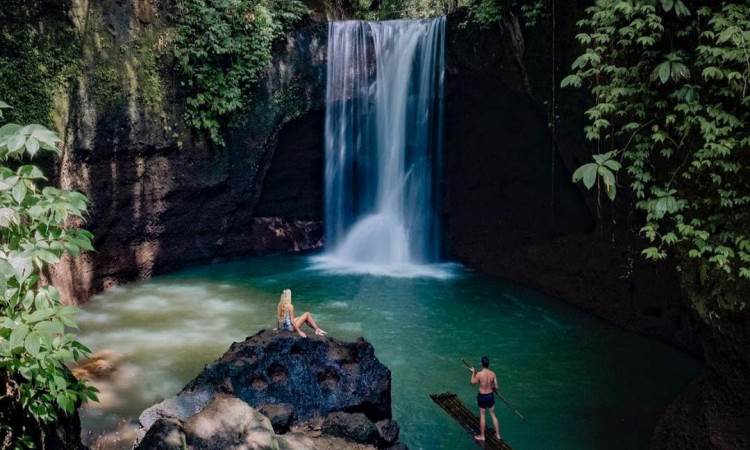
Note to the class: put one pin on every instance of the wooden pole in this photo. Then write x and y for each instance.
(500, 396)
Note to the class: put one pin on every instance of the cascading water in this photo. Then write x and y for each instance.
(383, 134)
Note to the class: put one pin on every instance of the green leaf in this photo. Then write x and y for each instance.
(17, 337)
(30, 171)
(663, 71)
(50, 328)
(607, 176)
(47, 256)
(667, 5)
(40, 315)
(571, 80)
(15, 142)
(22, 266)
(19, 192)
(589, 175)
(33, 343)
(8, 183)
(612, 164)
(32, 146)
(9, 129)
(680, 9)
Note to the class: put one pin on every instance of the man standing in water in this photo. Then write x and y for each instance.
(487, 381)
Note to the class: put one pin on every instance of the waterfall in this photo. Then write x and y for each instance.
(383, 138)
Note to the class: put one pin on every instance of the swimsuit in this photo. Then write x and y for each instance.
(486, 400)
(286, 324)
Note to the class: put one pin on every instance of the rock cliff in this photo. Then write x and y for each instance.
(161, 196)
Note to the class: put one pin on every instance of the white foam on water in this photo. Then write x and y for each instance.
(333, 265)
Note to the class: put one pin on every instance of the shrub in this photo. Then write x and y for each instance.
(34, 232)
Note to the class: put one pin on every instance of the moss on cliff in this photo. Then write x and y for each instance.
(39, 55)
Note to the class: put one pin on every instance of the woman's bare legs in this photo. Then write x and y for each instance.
(307, 318)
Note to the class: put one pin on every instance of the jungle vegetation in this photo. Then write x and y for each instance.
(670, 85)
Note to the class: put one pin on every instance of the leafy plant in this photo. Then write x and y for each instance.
(487, 12)
(602, 168)
(671, 93)
(35, 231)
(222, 48)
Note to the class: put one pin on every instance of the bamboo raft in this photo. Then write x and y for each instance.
(467, 420)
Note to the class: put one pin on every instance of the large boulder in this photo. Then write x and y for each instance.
(229, 423)
(356, 427)
(315, 376)
(278, 390)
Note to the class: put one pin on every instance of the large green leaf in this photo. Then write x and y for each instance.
(33, 343)
(15, 142)
(589, 175)
(19, 192)
(17, 337)
(32, 146)
(663, 71)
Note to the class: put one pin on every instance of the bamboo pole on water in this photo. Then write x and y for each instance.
(499, 395)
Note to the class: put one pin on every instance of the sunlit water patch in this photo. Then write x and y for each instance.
(582, 384)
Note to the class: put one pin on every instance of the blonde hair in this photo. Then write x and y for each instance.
(285, 303)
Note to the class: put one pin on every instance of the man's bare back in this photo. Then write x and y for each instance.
(487, 381)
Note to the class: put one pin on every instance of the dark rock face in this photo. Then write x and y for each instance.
(315, 376)
(510, 208)
(293, 382)
(161, 197)
(713, 412)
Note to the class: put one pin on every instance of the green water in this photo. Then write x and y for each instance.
(581, 383)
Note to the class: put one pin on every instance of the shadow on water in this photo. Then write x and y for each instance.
(581, 383)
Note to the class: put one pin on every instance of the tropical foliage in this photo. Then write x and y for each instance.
(670, 83)
(35, 232)
(492, 11)
(222, 48)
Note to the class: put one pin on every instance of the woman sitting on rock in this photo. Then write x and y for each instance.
(285, 316)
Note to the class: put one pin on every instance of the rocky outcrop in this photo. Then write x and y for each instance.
(276, 388)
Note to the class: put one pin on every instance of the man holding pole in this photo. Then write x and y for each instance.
(487, 381)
